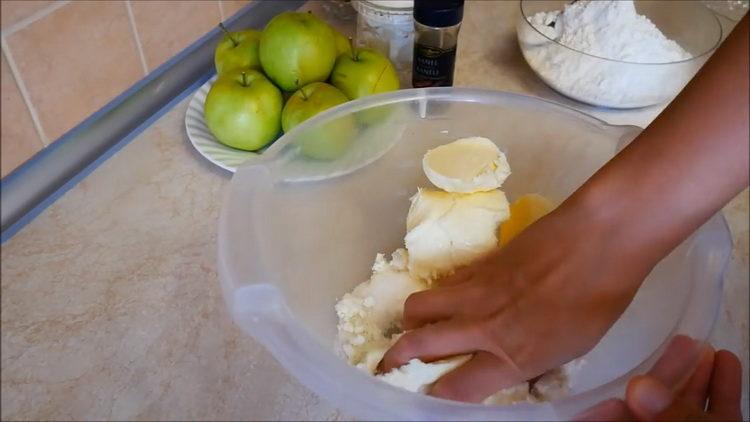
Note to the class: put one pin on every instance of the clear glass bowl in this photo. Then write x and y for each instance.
(619, 84)
(297, 233)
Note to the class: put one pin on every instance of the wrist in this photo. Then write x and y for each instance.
(611, 215)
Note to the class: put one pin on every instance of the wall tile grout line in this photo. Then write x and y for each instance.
(221, 9)
(136, 36)
(24, 92)
(23, 23)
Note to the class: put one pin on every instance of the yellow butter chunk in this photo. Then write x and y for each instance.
(523, 212)
(467, 165)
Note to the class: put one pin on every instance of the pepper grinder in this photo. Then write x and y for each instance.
(436, 25)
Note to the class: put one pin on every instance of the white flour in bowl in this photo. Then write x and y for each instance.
(608, 30)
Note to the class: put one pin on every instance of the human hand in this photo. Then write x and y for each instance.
(711, 393)
(543, 300)
(554, 291)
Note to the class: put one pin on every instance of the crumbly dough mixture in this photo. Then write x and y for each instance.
(444, 230)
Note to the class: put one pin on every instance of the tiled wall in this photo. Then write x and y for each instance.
(63, 60)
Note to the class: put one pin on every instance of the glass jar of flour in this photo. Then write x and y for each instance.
(388, 26)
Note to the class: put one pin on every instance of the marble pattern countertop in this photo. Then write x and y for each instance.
(111, 307)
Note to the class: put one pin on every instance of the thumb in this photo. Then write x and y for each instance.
(647, 397)
(650, 400)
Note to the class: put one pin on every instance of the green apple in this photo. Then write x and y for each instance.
(327, 141)
(297, 49)
(308, 101)
(243, 109)
(364, 72)
(237, 50)
(343, 44)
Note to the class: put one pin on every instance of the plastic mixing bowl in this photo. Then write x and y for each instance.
(612, 83)
(295, 234)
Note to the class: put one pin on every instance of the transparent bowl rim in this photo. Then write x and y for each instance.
(304, 338)
(708, 51)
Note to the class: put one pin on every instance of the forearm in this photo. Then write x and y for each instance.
(684, 167)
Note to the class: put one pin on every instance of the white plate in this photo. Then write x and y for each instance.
(204, 141)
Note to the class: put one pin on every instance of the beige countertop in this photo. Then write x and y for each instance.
(111, 307)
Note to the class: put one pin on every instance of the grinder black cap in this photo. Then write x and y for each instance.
(439, 13)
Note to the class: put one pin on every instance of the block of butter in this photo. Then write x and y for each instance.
(466, 165)
(447, 230)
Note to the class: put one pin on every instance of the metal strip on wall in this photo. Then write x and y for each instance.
(37, 183)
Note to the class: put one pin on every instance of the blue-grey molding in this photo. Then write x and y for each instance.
(37, 183)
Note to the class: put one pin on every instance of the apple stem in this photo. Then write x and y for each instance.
(244, 79)
(302, 93)
(224, 29)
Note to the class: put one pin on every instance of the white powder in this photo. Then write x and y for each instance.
(610, 30)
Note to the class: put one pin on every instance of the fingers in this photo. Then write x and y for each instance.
(686, 365)
(717, 375)
(440, 303)
(429, 306)
(726, 387)
(678, 362)
(649, 400)
(608, 410)
(646, 397)
(459, 276)
(433, 342)
(477, 379)
(467, 272)
(696, 388)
